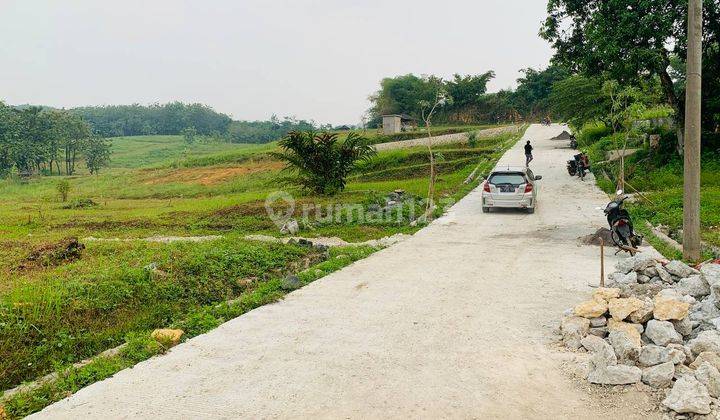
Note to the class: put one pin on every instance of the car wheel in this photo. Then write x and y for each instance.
(531, 210)
(486, 209)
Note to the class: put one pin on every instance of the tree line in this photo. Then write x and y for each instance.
(36, 140)
(160, 119)
(177, 118)
(467, 98)
(267, 131)
(638, 45)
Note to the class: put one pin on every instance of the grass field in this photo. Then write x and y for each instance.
(658, 176)
(57, 310)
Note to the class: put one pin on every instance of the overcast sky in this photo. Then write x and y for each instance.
(251, 58)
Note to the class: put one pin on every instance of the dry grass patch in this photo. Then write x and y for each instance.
(208, 176)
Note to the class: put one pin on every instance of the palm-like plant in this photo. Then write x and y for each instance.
(320, 162)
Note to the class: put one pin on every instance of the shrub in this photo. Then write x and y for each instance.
(592, 132)
(473, 139)
(319, 161)
(81, 203)
(63, 188)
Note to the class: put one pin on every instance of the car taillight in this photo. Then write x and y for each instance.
(621, 222)
(528, 188)
(486, 187)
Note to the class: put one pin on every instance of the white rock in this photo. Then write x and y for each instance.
(290, 227)
(705, 310)
(711, 273)
(709, 376)
(651, 355)
(682, 370)
(688, 396)
(573, 329)
(694, 286)
(602, 354)
(615, 375)
(664, 275)
(662, 333)
(683, 327)
(601, 332)
(600, 321)
(706, 357)
(618, 278)
(705, 341)
(677, 356)
(625, 347)
(659, 376)
(650, 272)
(640, 261)
(680, 269)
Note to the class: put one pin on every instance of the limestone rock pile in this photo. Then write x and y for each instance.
(657, 324)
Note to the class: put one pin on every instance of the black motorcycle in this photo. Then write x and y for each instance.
(621, 226)
(573, 143)
(578, 165)
(572, 167)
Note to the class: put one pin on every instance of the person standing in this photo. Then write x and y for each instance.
(528, 153)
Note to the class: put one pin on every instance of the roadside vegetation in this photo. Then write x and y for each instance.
(632, 98)
(62, 301)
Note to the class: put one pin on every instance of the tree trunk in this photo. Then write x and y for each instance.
(668, 87)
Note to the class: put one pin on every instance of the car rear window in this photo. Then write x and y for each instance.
(514, 179)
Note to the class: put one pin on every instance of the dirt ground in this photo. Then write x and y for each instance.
(211, 175)
(456, 322)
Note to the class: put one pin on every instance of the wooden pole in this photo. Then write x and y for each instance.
(691, 190)
(602, 262)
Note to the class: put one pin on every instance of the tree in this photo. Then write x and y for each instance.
(404, 94)
(428, 109)
(189, 134)
(531, 98)
(631, 41)
(466, 93)
(97, 154)
(319, 162)
(579, 100)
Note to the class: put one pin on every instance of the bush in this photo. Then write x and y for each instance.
(63, 188)
(473, 139)
(592, 133)
(320, 162)
(81, 203)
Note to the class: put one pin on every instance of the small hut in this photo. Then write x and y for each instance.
(397, 123)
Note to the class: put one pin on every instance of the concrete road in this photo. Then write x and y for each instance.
(456, 322)
(445, 138)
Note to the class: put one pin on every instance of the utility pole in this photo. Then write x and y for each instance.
(691, 194)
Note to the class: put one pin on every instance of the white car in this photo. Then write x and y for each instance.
(510, 187)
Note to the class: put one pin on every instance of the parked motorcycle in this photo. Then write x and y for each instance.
(583, 164)
(572, 167)
(578, 165)
(621, 226)
(573, 142)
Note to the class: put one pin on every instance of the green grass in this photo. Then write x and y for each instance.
(658, 175)
(139, 345)
(148, 151)
(57, 314)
